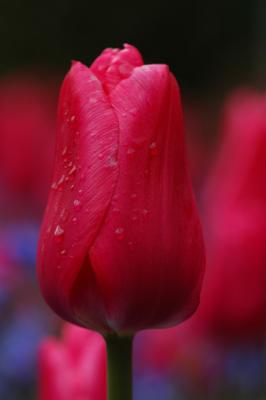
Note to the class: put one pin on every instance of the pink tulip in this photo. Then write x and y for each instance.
(74, 367)
(234, 296)
(121, 246)
(26, 136)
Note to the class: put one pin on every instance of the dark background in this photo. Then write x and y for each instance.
(208, 44)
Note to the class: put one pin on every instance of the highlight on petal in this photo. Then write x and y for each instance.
(85, 175)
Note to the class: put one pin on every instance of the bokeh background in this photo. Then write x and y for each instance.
(217, 51)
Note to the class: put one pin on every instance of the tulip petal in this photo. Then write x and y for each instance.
(114, 65)
(86, 172)
(148, 255)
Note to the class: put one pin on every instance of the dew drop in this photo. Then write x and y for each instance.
(77, 204)
(59, 234)
(77, 133)
(54, 186)
(130, 244)
(133, 111)
(61, 181)
(63, 252)
(145, 212)
(64, 215)
(130, 151)
(72, 118)
(74, 220)
(112, 162)
(100, 156)
(64, 151)
(80, 191)
(70, 164)
(120, 234)
(73, 170)
(92, 100)
(72, 187)
(153, 149)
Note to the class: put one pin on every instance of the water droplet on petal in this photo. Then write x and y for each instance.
(92, 100)
(72, 118)
(145, 212)
(64, 215)
(59, 234)
(112, 162)
(73, 170)
(54, 186)
(61, 181)
(130, 151)
(77, 204)
(133, 111)
(100, 156)
(153, 149)
(63, 252)
(64, 151)
(74, 220)
(80, 191)
(120, 234)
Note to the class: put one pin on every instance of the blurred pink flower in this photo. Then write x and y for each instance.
(27, 124)
(233, 301)
(73, 367)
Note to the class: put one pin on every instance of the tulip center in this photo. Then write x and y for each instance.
(115, 65)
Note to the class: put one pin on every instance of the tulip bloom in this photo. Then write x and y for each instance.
(233, 296)
(121, 245)
(74, 367)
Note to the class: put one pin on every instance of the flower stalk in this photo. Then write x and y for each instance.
(119, 356)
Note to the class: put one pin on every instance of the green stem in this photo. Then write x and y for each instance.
(119, 356)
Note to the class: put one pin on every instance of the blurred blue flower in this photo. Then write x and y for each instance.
(153, 387)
